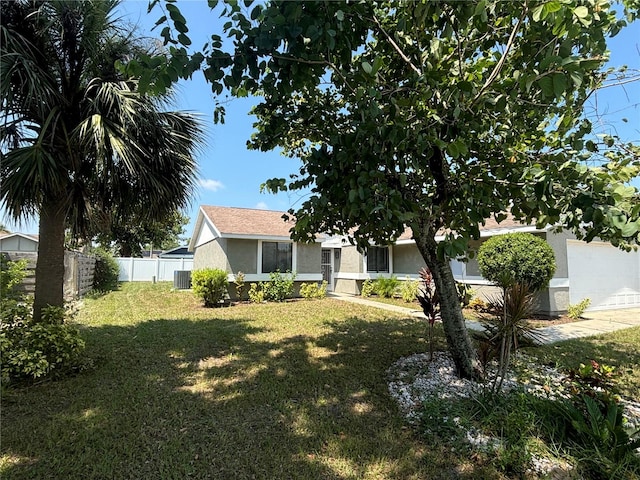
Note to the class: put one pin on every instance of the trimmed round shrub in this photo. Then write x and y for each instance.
(106, 272)
(210, 284)
(517, 258)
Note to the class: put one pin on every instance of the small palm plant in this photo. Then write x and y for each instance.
(430, 303)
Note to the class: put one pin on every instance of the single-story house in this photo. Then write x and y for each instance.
(255, 242)
(18, 242)
(606, 275)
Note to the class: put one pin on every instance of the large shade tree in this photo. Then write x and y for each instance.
(78, 142)
(430, 114)
(131, 235)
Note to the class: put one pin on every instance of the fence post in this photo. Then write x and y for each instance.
(130, 269)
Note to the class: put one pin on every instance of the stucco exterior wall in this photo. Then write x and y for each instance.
(558, 242)
(348, 286)
(242, 255)
(308, 257)
(407, 259)
(211, 255)
(351, 260)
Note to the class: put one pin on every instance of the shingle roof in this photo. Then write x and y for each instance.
(248, 221)
(490, 224)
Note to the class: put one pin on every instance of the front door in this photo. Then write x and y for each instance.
(326, 267)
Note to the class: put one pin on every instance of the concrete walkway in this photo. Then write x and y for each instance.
(595, 323)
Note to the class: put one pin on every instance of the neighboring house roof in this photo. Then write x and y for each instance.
(232, 222)
(178, 252)
(28, 236)
(18, 242)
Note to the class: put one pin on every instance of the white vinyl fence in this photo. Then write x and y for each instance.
(145, 269)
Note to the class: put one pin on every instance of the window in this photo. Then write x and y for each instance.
(277, 256)
(378, 259)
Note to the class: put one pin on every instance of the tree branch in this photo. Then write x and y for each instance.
(503, 58)
(397, 47)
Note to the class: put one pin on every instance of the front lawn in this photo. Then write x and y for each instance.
(292, 390)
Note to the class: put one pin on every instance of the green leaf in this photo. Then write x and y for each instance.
(366, 66)
(546, 84)
(184, 40)
(340, 15)
(553, 6)
(539, 13)
(581, 12)
(559, 84)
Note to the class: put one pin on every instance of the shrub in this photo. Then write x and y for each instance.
(520, 264)
(106, 271)
(239, 282)
(313, 290)
(367, 288)
(11, 275)
(596, 432)
(31, 350)
(279, 287)
(210, 284)
(575, 311)
(386, 287)
(517, 258)
(409, 290)
(478, 305)
(256, 293)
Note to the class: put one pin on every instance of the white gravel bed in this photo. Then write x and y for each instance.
(415, 379)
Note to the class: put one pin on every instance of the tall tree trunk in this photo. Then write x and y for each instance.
(462, 350)
(50, 264)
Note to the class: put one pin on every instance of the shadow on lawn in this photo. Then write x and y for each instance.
(217, 399)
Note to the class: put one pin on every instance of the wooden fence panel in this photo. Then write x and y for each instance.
(78, 272)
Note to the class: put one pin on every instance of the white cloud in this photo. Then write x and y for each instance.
(210, 184)
(262, 206)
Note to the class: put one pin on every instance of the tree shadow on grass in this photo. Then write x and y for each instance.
(220, 398)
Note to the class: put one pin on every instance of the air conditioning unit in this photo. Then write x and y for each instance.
(182, 279)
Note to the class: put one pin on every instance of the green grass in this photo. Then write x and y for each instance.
(620, 349)
(396, 301)
(294, 390)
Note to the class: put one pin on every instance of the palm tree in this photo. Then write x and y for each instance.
(78, 141)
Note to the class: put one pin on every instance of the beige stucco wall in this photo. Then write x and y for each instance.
(348, 286)
(558, 242)
(242, 255)
(351, 260)
(211, 255)
(308, 257)
(407, 260)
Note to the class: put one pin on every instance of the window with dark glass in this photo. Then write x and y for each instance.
(378, 259)
(277, 256)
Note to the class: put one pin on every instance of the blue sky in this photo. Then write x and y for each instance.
(230, 175)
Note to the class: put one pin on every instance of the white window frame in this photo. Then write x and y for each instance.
(294, 255)
(379, 274)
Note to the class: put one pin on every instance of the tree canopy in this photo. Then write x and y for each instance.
(432, 115)
(131, 235)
